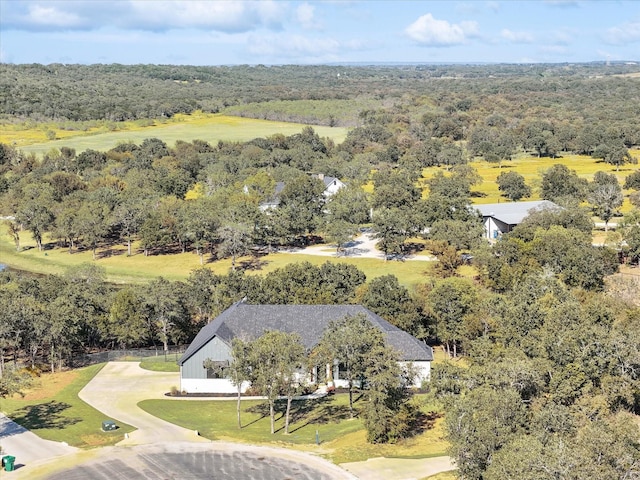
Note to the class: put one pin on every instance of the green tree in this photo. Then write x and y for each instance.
(240, 369)
(632, 181)
(340, 232)
(164, 308)
(126, 325)
(14, 381)
(276, 358)
(605, 195)
(513, 186)
(450, 300)
(392, 301)
(616, 154)
(349, 341)
(479, 424)
(388, 415)
(34, 212)
(631, 235)
(92, 223)
(13, 229)
(558, 181)
(391, 227)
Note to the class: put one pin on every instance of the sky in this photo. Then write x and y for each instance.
(228, 32)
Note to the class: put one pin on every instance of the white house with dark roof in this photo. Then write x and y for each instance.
(331, 186)
(501, 218)
(248, 322)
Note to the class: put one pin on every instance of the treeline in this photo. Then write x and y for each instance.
(468, 94)
(552, 387)
(211, 199)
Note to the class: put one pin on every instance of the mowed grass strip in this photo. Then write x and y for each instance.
(199, 126)
(161, 363)
(53, 410)
(342, 439)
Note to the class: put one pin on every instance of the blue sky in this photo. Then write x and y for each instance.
(226, 32)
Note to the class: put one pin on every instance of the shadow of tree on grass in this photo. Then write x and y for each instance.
(44, 415)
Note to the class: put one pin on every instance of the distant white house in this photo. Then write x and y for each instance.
(249, 322)
(331, 186)
(501, 218)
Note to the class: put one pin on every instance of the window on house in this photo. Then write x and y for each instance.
(342, 371)
(217, 369)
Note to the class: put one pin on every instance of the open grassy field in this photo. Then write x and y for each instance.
(139, 269)
(208, 127)
(52, 410)
(342, 439)
(532, 168)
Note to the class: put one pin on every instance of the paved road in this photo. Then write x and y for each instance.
(26, 446)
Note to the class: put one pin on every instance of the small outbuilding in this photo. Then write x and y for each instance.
(249, 322)
(501, 218)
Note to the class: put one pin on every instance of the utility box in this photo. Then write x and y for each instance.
(8, 462)
(109, 426)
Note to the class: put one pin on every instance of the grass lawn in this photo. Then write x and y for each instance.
(53, 411)
(161, 364)
(201, 126)
(532, 168)
(139, 269)
(342, 438)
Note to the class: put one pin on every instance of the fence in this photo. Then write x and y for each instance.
(132, 355)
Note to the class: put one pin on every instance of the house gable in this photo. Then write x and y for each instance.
(249, 322)
(501, 218)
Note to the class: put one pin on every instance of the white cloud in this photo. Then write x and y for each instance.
(429, 31)
(305, 15)
(301, 48)
(50, 15)
(622, 34)
(517, 37)
(228, 16)
(157, 15)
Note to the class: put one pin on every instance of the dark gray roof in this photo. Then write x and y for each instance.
(512, 213)
(249, 322)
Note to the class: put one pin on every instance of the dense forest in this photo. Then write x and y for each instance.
(550, 386)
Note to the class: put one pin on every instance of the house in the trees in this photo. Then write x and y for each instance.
(501, 218)
(331, 186)
(248, 322)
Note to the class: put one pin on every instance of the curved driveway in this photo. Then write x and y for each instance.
(158, 449)
(116, 392)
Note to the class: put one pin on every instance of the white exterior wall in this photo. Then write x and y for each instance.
(423, 372)
(333, 187)
(210, 385)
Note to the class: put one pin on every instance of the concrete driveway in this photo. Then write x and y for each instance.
(116, 392)
(26, 446)
(158, 449)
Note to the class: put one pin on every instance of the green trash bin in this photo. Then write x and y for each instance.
(109, 426)
(8, 463)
